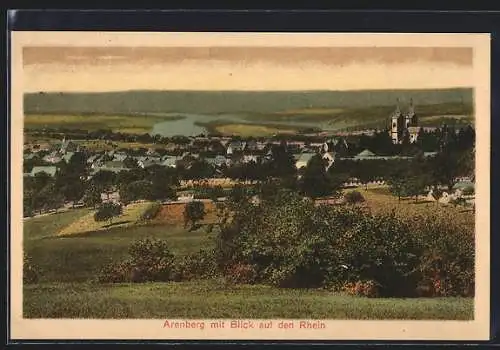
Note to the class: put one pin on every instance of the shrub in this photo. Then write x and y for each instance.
(31, 273)
(383, 249)
(368, 289)
(116, 273)
(198, 265)
(151, 212)
(447, 260)
(149, 260)
(289, 242)
(354, 197)
(241, 274)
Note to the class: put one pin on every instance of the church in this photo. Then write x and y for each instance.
(404, 125)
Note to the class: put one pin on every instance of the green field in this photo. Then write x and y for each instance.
(213, 299)
(130, 124)
(69, 264)
(78, 257)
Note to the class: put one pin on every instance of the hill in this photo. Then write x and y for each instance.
(213, 102)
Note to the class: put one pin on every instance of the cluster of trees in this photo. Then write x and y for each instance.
(43, 192)
(319, 246)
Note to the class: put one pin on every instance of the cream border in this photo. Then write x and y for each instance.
(478, 329)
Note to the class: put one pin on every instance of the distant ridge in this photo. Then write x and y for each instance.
(232, 101)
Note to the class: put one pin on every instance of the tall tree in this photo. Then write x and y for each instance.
(108, 211)
(316, 182)
(193, 211)
(92, 196)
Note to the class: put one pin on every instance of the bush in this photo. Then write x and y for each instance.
(383, 249)
(149, 260)
(241, 274)
(354, 197)
(31, 273)
(151, 212)
(195, 266)
(447, 261)
(368, 289)
(288, 242)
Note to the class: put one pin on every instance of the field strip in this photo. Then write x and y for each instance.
(131, 213)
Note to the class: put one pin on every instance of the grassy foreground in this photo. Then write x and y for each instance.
(213, 299)
(69, 263)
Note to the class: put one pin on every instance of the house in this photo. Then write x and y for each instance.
(68, 146)
(29, 156)
(93, 158)
(250, 158)
(53, 157)
(303, 159)
(114, 166)
(152, 153)
(235, 146)
(251, 145)
(149, 161)
(49, 170)
(430, 154)
(217, 161)
(119, 157)
(169, 161)
(67, 156)
(329, 158)
(366, 154)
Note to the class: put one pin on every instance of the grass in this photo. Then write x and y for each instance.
(380, 200)
(246, 130)
(48, 225)
(132, 124)
(212, 299)
(354, 118)
(79, 257)
(228, 127)
(131, 214)
(69, 264)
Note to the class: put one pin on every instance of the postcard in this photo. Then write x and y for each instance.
(250, 186)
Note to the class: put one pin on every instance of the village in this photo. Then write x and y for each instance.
(212, 159)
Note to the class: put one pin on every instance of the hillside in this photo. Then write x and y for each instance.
(212, 102)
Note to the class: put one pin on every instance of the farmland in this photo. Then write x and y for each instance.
(70, 263)
(124, 123)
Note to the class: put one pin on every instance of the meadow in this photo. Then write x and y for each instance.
(70, 263)
(125, 123)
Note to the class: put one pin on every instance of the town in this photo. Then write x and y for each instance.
(102, 158)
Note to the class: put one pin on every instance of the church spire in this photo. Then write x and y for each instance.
(397, 112)
(411, 108)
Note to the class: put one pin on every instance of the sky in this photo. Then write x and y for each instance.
(101, 69)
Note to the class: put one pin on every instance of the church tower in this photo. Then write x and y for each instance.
(411, 117)
(395, 124)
